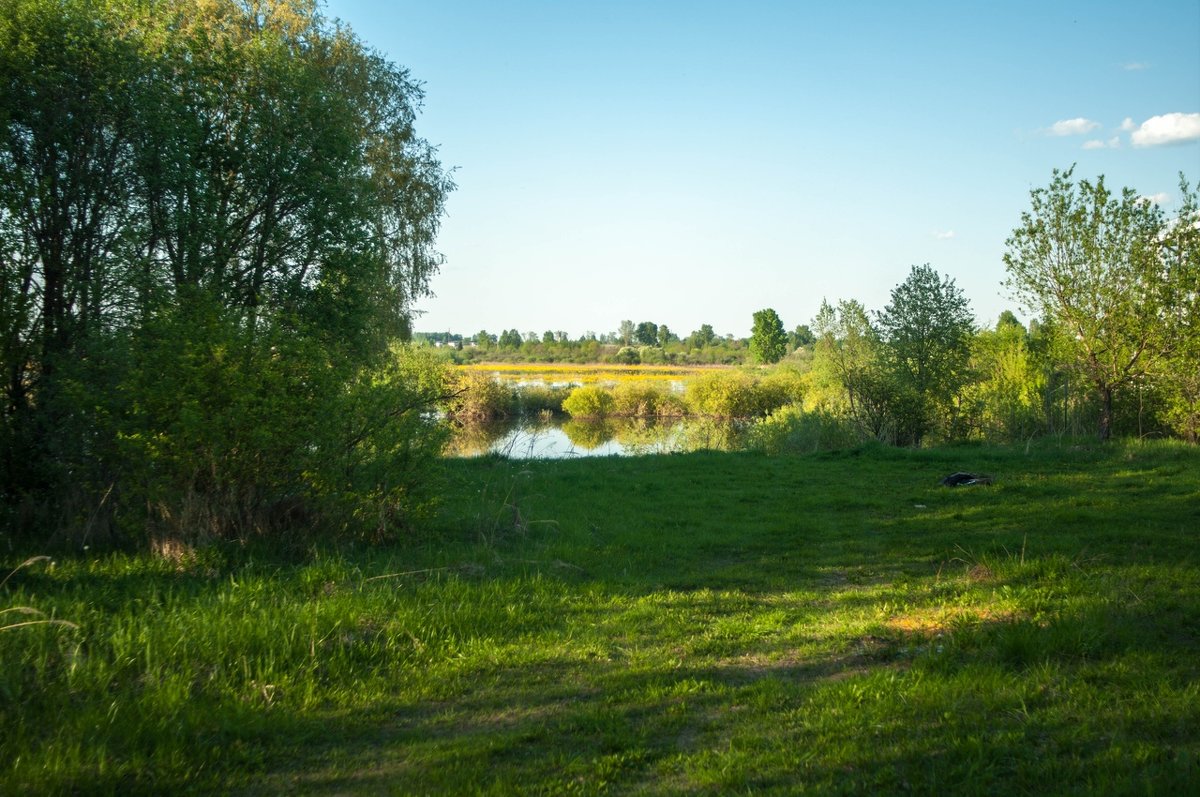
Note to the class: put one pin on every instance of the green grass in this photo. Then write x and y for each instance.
(702, 623)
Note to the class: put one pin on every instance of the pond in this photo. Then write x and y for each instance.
(561, 439)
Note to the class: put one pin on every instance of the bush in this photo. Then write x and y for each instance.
(539, 399)
(588, 401)
(792, 430)
(627, 355)
(642, 399)
(479, 397)
(724, 394)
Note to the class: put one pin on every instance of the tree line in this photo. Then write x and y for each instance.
(1115, 346)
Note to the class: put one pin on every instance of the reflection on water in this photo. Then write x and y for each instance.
(529, 439)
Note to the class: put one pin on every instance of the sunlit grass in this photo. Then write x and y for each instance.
(704, 623)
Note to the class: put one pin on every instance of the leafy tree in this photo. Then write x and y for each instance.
(510, 339)
(664, 336)
(646, 333)
(1097, 263)
(704, 336)
(625, 332)
(1008, 319)
(199, 193)
(801, 336)
(768, 341)
(927, 329)
(848, 362)
(1005, 399)
(1179, 374)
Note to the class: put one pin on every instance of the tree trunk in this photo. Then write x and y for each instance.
(1106, 412)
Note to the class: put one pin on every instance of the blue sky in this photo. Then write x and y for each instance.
(693, 162)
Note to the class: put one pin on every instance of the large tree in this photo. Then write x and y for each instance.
(194, 191)
(768, 341)
(1096, 263)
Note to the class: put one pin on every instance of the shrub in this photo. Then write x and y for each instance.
(723, 394)
(538, 399)
(792, 430)
(642, 399)
(480, 397)
(627, 355)
(588, 401)
(780, 387)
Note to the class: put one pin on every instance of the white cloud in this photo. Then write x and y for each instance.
(943, 235)
(1169, 128)
(1128, 125)
(1161, 198)
(1135, 66)
(1096, 143)
(1073, 127)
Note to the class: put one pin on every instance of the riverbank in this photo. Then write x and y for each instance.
(701, 623)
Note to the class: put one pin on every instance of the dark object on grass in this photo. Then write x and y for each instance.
(961, 479)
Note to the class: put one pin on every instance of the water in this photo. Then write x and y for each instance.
(557, 439)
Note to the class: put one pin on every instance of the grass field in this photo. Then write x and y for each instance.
(699, 624)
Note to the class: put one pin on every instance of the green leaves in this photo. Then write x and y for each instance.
(1112, 271)
(225, 210)
(768, 341)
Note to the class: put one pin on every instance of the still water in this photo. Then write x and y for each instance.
(528, 439)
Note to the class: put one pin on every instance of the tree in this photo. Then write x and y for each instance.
(218, 211)
(1099, 265)
(801, 336)
(768, 341)
(510, 339)
(847, 362)
(625, 332)
(704, 336)
(926, 330)
(664, 335)
(1179, 374)
(646, 333)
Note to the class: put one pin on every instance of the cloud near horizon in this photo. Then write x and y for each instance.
(943, 235)
(1073, 127)
(1112, 143)
(1168, 128)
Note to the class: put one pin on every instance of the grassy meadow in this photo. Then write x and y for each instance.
(706, 623)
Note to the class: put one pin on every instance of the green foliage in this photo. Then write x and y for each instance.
(646, 333)
(768, 341)
(241, 217)
(533, 400)
(480, 397)
(1101, 266)
(793, 430)
(643, 399)
(588, 401)
(1005, 402)
(926, 330)
(628, 355)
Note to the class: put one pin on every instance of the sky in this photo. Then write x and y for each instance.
(692, 162)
